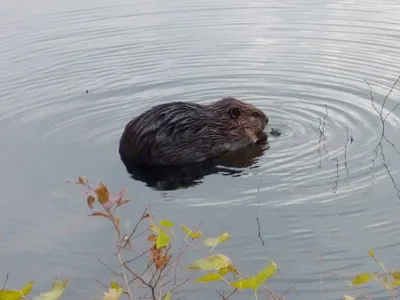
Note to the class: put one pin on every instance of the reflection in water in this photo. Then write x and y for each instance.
(185, 176)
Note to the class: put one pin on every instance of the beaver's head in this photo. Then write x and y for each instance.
(248, 117)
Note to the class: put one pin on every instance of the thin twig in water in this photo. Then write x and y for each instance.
(319, 144)
(387, 95)
(321, 280)
(5, 282)
(388, 171)
(257, 217)
(322, 135)
(383, 136)
(345, 151)
(337, 174)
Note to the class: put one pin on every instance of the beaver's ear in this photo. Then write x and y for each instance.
(234, 113)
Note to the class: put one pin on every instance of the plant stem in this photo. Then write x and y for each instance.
(128, 289)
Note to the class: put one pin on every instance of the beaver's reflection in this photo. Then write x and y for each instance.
(185, 176)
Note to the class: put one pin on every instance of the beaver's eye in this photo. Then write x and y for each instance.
(255, 114)
(234, 113)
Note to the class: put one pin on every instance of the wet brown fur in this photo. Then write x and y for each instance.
(182, 132)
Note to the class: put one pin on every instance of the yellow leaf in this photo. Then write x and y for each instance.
(27, 288)
(115, 286)
(209, 277)
(362, 278)
(168, 296)
(166, 223)
(248, 283)
(16, 294)
(195, 234)
(393, 284)
(212, 262)
(346, 297)
(10, 295)
(396, 275)
(268, 271)
(55, 292)
(192, 234)
(255, 282)
(162, 240)
(226, 270)
(155, 228)
(371, 253)
(185, 229)
(212, 242)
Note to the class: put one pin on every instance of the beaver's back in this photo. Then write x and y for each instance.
(177, 133)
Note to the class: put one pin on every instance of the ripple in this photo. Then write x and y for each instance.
(304, 64)
(130, 69)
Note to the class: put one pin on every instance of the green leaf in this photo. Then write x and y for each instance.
(209, 277)
(166, 223)
(162, 240)
(212, 262)
(55, 292)
(362, 278)
(255, 282)
(212, 242)
(168, 296)
(16, 294)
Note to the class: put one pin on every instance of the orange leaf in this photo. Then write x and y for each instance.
(90, 201)
(102, 193)
(152, 238)
(159, 258)
(100, 214)
(123, 202)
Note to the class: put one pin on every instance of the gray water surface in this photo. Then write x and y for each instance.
(303, 62)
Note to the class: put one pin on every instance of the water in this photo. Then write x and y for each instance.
(303, 63)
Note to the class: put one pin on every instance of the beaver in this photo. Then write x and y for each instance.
(178, 133)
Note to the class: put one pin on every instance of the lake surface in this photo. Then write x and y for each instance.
(303, 62)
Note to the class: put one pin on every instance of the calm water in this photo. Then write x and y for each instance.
(300, 61)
